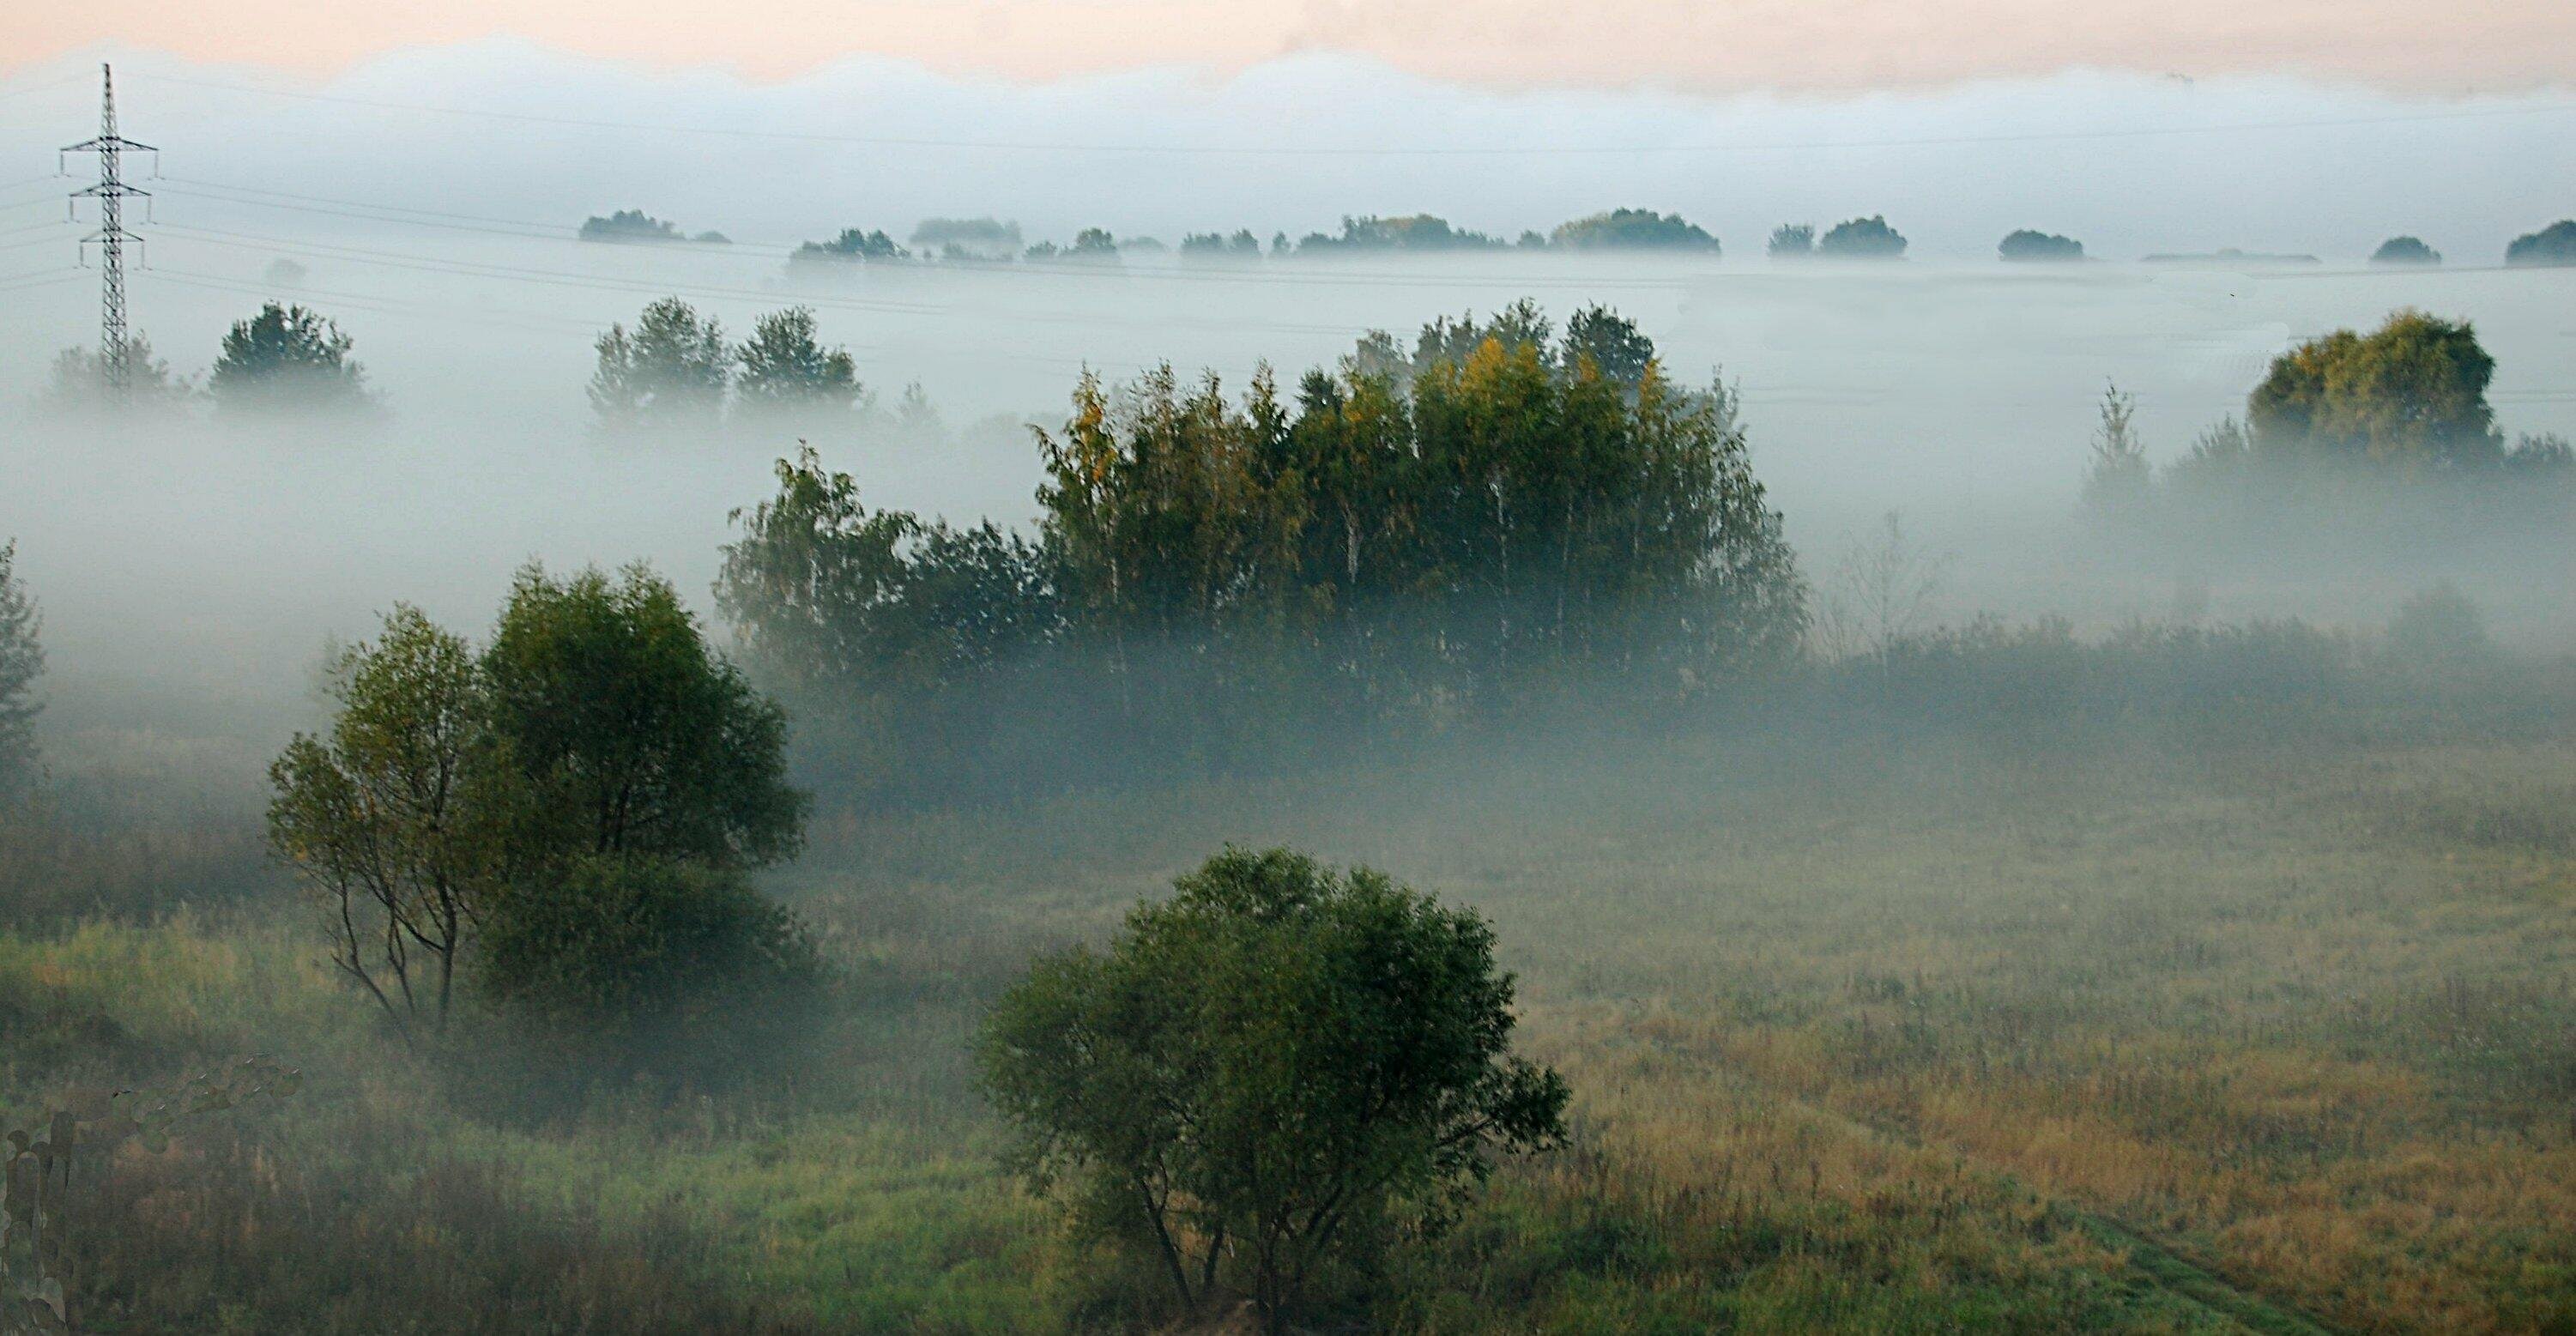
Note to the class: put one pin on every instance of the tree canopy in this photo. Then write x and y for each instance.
(852, 246)
(2411, 395)
(672, 370)
(287, 357)
(784, 367)
(1862, 239)
(1792, 241)
(2551, 245)
(629, 225)
(2027, 247)
(967, 238)
(2405, 250)
(1633, 229)
(1278, 1066)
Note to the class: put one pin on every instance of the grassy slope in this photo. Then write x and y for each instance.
(1988, 1040)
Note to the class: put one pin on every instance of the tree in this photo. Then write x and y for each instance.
(1633, 229)
(2117, 480)
(631, 960)
(852, 246)
(2551, 245)
(2026, 246)
(2409, 397)
(79, 381)
(1862, 239)
(1276, 1068)
(1412, 232)
(967, 238)
(1792, 241)
(672, 371)
(785, 368)
(2405, 250)
(288, 357)
(629, 226)
(22, 661)
(825, 592)
(628, 734)
(390, 814)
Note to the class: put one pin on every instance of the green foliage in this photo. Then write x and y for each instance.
(672, 371)
(287, 357)
(632, 736)
(1861, 239)
(78, 381)
(2026, 246)
(1633, 229)
(2118, 478)
(786, 369)
(1412, 232)
(1277, 1067)
(2405, 250)
(629, 225)
(22, 661)
(2409, 398)
(637, 962)
(824, 592)
(852, 246)
(967, 238)
(1243, 245)
(1792, 241)
(396, 815)
(2551, 245)
(2440, 629)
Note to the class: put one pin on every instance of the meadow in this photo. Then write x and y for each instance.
(1869, 1029)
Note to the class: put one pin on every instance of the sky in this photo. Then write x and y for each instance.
(1721, 47)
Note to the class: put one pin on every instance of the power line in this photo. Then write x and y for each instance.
(1373, 150)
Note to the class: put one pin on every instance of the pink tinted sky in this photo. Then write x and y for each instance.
(1713, 46)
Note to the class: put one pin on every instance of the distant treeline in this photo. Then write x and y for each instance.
(991, 240)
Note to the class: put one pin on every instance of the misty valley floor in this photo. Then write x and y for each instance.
(1919, 1037)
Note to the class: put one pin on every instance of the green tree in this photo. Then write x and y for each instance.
(2026, 246)
(672, 371)
(824, 591)
(2117, 480)
(1792, 241)
(1862, 239)
(967, 238)
(785, 369)
(389, 815)
(1276, 1068)
(2405, 250)
(628, 961)
(288, 357)
(79, 382)
(629, 226)
(629, 734)
(852, 246)
(2551, 245)
(1633, 229)
(22, 661)
(2409, 397)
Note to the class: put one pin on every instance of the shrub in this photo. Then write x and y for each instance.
(1273, 1069)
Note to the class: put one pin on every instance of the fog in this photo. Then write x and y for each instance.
(192, 563)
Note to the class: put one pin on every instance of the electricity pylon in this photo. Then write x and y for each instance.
(111, 192)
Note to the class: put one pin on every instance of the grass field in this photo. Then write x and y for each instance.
(1922, 1036)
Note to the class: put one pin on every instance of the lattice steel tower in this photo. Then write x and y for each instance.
(111, 192)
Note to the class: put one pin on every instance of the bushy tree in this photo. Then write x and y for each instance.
(784, 368)
(629, 225)
(2438, 630)
(2405, 250)
(967, 238)
(288, 357)
(22, 661)
(1276, 1068)
(393, 814)
(2551, 245)
(632, 736)
(1792, 241)
(1411, 232)
(636, 962)
(2028, 247)
(670, 372)
(1633, 229)
(2409, 397)
(1862, 239)
(823, 591)
(79, 381)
